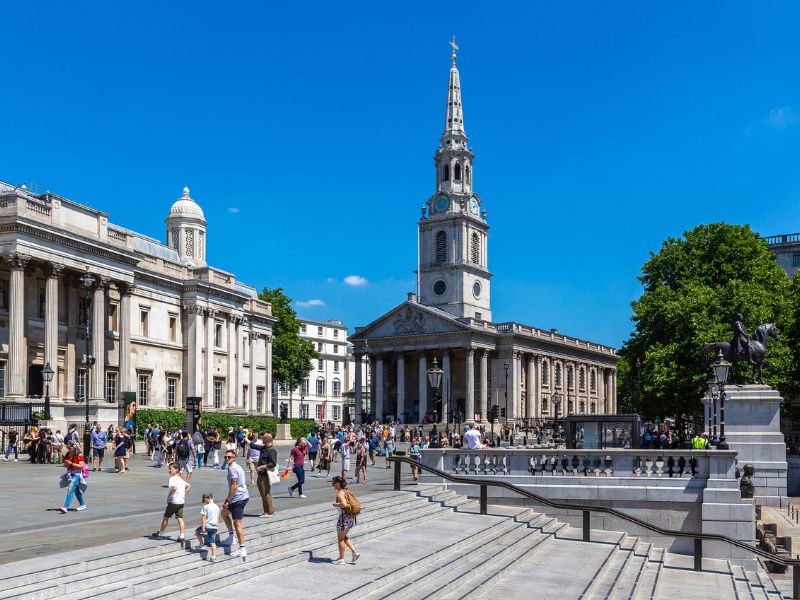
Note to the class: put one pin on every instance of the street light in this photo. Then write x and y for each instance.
(88, 281)
(556, 403)
(435, 379)
(47, 375)
(721, 368)
(506, 366)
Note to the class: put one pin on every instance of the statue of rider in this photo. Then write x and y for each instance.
(741, 341)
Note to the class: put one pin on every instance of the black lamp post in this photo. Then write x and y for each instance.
(506, 367)
(435, 379)
(88, 281)
(721, 368)
(556, 403)
(47, 375)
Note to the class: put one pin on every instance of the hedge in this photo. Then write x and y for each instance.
(173, 419)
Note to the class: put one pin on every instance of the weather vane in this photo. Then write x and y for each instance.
(453, 45)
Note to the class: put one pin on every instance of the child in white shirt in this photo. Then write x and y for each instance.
(209, 523)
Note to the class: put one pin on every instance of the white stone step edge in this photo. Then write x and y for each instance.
(612, 566)
(654, 564)
(626, 583)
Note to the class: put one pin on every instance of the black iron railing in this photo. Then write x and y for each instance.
(587, 510)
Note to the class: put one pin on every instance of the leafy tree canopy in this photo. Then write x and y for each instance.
(693, 288)
(291, 355)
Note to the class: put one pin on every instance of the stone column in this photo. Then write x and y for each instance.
(469, 374)
(208, 366)
(378, 403)
(538, 387)
(268, 375)
(484, 376)
(423, 387)
(251, 389)
(401, 388)
(194, 362)
(99, 338)
(359, 385)
(125, 291)
(531, 387)
(240, 363)
(445, 386)
(17, 360)
(613, 392)
(233, 347)
(54, 271)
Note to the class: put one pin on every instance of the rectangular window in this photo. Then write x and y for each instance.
(2, 378)
(305, 387)
(80, 391)
(217, 393)
(320, 387)
(336, 366)
(111, 386)
(320, 365)
(337, 388)
(319, 346)
(319, 331)
(319, 411)
(172, 391)
(144, 389)
(478, 316)
(113, 310)
(336, 333)
(796, 259)
(259, 399)
(284, 389)
(143, 322)
(336, 410)
(304, 411)
(173, 328)
(218, 335)
(335, 348)
(302, 328)
(245, 389)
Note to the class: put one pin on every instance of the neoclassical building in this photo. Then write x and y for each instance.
(516, 367)
(164, 324)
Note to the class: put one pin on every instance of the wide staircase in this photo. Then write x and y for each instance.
(429, 543)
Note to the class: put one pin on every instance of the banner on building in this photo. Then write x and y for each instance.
(129, 410)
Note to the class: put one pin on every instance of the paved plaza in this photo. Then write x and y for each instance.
(129, 505)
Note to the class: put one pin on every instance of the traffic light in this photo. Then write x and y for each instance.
(502, 412)
(494, 413)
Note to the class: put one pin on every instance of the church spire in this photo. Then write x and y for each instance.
(454, 119)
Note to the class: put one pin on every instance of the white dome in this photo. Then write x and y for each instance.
(186, 207)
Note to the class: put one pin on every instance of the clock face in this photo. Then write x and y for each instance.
(442, 203)
(473, 206)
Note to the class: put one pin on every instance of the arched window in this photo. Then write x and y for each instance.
(545, 373)
(441, 247)
(570, 377)
(469, 174)
(592, 381)
(457, 172)
(582, 379)
(545, 405)
(320, 386)
(337, 388)
(475, 249)
(558, 374)
(446, 176)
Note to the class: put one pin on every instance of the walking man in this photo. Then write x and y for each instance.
(233, 507)
(13, 438)
(99, 438)
(186, 454)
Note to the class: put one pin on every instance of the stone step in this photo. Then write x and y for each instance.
(626, 582)
(646, 586)
(611, 569)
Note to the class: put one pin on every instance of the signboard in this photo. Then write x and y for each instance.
(194, 413)
(129, 411)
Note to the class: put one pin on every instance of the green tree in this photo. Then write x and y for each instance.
(291, 355)
(693, 288)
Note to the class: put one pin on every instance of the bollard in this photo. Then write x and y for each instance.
(484, 500)
(698, 554)
(587, 519)
(397, 465)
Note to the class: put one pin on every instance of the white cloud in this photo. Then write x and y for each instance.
(233, 210)
(312, 302)
(355, 280)
(781, 117)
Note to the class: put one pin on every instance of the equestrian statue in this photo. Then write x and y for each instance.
(743, 347)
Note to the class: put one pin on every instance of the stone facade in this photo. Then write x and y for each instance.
(162, 324)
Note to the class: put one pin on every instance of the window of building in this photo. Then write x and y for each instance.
(335, 349)
(468, 173)
(592, 381)
(335, 333)
(175, 239)
(245, 389)
(40, 303)
(143, 330)
(304, 411)
(218, 334)
(259, 399)
(173, 328)
(244, 349)
(457, 172)
(558, 374)
(337, 388)
(545, 404)
(113, 310)
(336, 412)
(796, 259)
(441, 247)
(545, 373)
(284, 388)
(582, 378)
(319, 412)
(217, 393)
(593, 408)
(582, 407)
(2, 379)
(319, 330)
(336, 366)
(319, 346)
(81, 385)
(320, 386)
(201, 239)
(475, 248)
(144, 388)
(478, 316)
(302, 327)
(305, 387)
(320, 365)
(189, 242)
(570, 377)
(111, 386)
(446, 174)
(172, 392)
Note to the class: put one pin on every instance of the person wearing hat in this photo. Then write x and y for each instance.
(267, 461)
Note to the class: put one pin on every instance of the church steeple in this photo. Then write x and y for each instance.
(454, 119)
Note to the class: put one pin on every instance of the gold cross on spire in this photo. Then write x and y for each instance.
(453, 45)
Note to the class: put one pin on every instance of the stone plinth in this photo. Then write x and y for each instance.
(284, 432)
(752, 428)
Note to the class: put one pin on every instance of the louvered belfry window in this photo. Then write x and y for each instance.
(441, 247)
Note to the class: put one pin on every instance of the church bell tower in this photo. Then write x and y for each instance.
(453, 233)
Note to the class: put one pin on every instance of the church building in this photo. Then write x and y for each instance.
(518, 368)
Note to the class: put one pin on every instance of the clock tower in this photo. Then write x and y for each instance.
(453, 233)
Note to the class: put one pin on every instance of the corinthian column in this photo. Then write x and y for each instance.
(54, 271)
(469, 374)
(209, 362)
(251, 390)
(16, 330)
(99, 338)
(194, 361)
(233, 347)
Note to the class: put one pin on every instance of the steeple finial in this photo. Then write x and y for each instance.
(453, 45)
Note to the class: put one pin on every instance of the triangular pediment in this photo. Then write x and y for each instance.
(410, 319)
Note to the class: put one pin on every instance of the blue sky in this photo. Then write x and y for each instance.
(307, 135)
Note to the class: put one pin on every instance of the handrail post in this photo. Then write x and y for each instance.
(484, 500)
(698, 554)
(795, 581)
(397, 466)
(587, 519)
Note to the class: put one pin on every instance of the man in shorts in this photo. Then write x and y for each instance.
(345, 451)
(176, 498)
(99, 438)
(313, 447)
(233, 507)
(184, 449)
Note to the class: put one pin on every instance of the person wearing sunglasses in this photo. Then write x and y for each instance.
(233, 507)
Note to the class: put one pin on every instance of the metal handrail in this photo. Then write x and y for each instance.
(588, 509)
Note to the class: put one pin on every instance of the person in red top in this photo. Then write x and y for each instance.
(73, 462)
(297, 460)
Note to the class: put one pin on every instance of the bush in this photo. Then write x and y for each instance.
(173, 419)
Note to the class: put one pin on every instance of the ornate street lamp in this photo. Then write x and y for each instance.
(721, 368)
(556, 403)
(435, 379)
(88, 281)
(47, 375)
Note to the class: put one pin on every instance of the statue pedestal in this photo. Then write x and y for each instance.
(284, 432)
(752, 428)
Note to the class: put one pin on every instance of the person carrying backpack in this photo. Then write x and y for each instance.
(184, 449)
(349, 508)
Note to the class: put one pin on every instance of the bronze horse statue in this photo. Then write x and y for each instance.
(758, 349)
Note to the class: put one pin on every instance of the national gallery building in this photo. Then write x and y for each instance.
(520, 369)
(162, 323)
